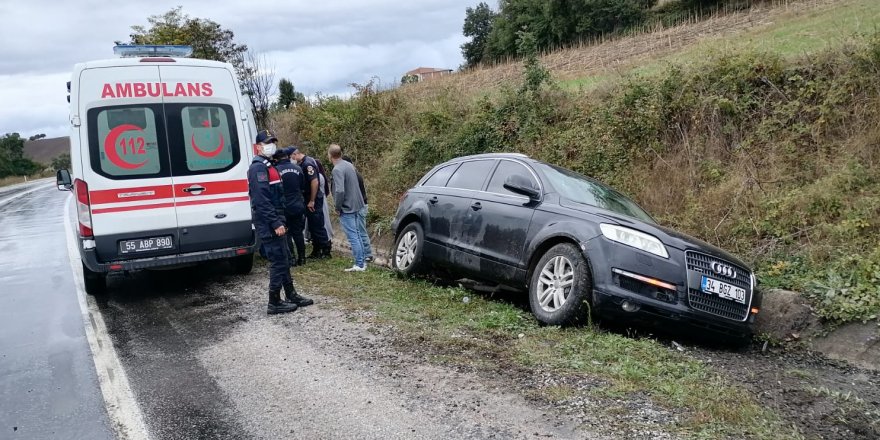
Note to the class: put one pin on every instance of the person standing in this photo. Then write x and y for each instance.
(314, 198)
(362, 224)
(348, 202)
(268, 224)
(292, 183)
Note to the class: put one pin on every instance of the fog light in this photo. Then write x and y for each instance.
(629, 307)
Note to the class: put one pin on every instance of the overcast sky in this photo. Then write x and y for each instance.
(320, 45)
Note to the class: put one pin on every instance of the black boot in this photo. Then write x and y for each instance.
(301, 261)
(325, 251)
(277, 306)
(316, 252)
(293, 297)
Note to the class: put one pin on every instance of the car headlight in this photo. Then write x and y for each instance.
(636, 239)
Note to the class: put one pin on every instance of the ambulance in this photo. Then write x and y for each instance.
(160, 145)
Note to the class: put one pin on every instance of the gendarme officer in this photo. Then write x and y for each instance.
(270, 229)
(292, 183)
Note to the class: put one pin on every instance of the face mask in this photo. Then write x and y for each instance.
(268, 149)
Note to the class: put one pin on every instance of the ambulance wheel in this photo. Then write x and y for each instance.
(95, 282)
(242, 264)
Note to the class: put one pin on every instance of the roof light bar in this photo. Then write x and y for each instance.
(134, 50)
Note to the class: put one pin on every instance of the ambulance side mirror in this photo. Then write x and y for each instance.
(62, 179)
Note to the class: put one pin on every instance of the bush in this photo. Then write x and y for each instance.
(773, 159)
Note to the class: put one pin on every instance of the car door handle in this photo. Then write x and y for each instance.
(477, 206)
(433, 200)
(195, 189)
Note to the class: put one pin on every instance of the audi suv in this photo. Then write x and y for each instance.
(575, 246)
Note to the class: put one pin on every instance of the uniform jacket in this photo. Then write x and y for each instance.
(312, 172)
(292, 184)
(265, 215)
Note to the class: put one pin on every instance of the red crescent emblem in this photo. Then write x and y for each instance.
(110, 147)
(204, 153)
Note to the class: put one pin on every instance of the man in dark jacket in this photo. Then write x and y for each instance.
(270, 229)
(292, 183)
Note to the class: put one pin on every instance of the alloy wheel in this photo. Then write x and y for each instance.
(406, 250)
(555, 283)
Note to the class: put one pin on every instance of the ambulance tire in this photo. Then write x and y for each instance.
(95, 282)
(242, 265)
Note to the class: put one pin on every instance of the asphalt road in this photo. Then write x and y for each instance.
(48, 383)
(191, 354)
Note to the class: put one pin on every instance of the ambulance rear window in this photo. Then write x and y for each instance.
(202, 138)
(125, 141)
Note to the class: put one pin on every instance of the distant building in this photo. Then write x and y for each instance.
(428, 73)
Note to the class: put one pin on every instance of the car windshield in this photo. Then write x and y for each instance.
(580, 189)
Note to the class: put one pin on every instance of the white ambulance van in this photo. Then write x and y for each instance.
(160, 145)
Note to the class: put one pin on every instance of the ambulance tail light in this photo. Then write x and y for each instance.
(83, 208)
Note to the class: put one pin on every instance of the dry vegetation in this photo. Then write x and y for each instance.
(771, 156)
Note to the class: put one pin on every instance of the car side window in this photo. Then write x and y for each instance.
(471, 175)
(441, 176)
(507, 168)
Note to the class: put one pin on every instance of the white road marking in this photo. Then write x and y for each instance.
(122, 408)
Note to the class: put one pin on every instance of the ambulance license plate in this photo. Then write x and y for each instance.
(145, 245)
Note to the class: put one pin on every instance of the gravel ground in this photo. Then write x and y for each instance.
(206, 362)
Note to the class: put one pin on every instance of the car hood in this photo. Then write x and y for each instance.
(673, 238)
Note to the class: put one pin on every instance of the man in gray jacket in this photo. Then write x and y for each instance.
(349, 202)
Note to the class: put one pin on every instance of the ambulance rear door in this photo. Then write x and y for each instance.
(208, 157)
(125, 162)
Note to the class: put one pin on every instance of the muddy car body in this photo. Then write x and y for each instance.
(575, 244)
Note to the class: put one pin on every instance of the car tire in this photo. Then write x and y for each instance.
(407, 257)
(95, 282)
(561, 286)
(242, 264)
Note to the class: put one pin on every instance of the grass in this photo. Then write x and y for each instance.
(791, 36)
(460, 327)
(15, 180)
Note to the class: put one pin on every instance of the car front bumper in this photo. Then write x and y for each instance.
(663, 289)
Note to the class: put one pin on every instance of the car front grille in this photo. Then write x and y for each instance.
(709, 303)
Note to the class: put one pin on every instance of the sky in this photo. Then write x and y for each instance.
(320, 45)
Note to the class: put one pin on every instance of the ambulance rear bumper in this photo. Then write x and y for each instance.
(90, 259)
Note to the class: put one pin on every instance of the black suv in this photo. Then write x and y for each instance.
(572, 242)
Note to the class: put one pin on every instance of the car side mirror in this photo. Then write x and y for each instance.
(63, 180)
(522, 185)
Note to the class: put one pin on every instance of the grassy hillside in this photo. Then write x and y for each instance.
(763, 149)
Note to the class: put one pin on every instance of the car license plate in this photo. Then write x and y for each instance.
(144, 245)
(723, 290)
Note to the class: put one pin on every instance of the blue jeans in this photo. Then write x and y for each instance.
(350, 223)
(365, 236)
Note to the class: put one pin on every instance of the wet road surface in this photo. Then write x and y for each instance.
(48, 384)
(200, 358)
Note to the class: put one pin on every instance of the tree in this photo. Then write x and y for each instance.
(409, 79)
(477, 25)
(208, 39)
(61, 162)
(37, 136)
(559, 22)
(258, 82)
(12, 160)
(287, 94)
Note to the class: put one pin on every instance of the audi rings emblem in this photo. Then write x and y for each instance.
(723, 269)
